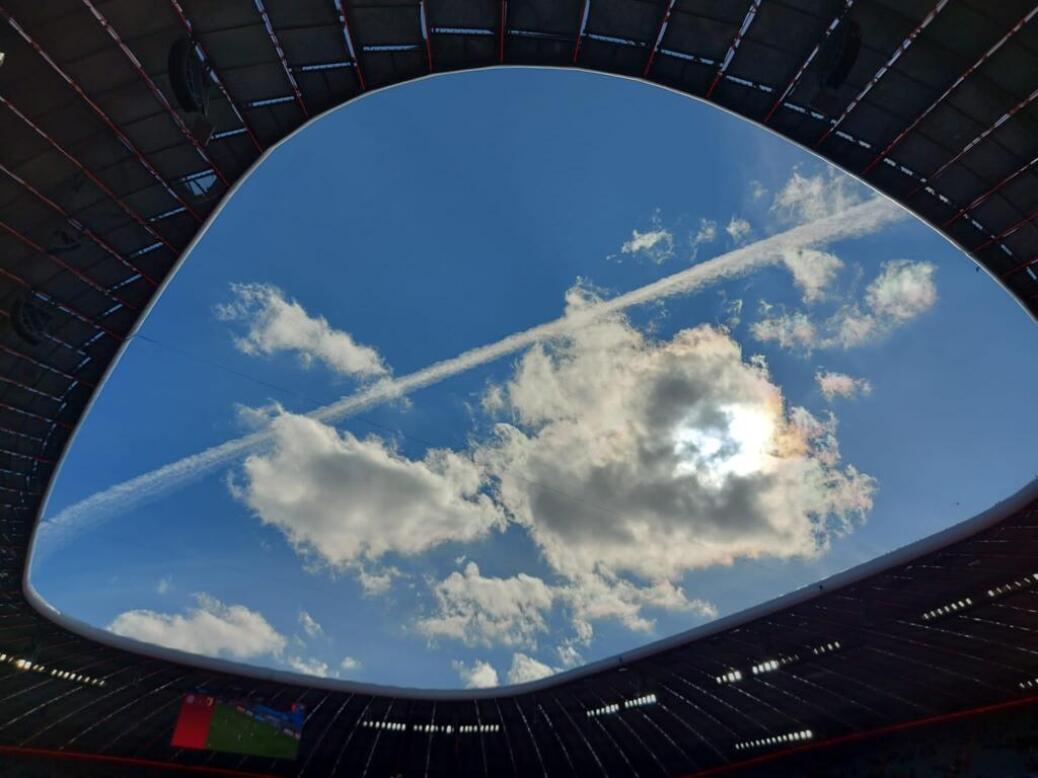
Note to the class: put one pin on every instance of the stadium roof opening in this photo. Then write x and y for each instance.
(430, 410)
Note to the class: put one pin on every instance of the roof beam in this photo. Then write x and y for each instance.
(733, 47)
(424, 22)
(659, 37)
(581, 27)
(501, 31)
(98, 112)
(951, 88)
(141, 221)
(153, 88)
(30, 243)
(212, 71)
(901, 49)
(979, 139)
(276, 43)
(1007, 232)
(341, 7)
(79, 226)
(982, 198)
(810, 58)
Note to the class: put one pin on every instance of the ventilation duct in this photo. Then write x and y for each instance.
(29, 320)
(839, 54)
(189, 77)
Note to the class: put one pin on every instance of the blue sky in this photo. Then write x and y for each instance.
(815, 378)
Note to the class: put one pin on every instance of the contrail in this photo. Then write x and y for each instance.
(855, 221)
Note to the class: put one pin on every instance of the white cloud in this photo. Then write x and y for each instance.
(478, 675)
(835, 384)
(525, 669)
(863, 219)
(631, 462)
(757, 190)
(348, 500)
(707, 233)
(902, 291)
(482, 610)
(349, 664)
(310, 624)
(377, 580)
(657, 244)
(569, 655)
(309, 666)
(806, 199)
(210, 628)
(277, 324)
(812, 271)
(738, 229)
(164, 585)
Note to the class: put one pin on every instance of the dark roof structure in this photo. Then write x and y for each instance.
(125, 123)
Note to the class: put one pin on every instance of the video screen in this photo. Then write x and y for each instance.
(238, 727)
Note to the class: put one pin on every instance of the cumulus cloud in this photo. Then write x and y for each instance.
(680, 449)
(277, 324)
(478, 675)
(310, 624)
(209, 628)
(378, 580)
(806, 198)
(483, 610)
(835, 384)
(902, 291)
(757, 190)
(813, 271)
(349, 664)
(656, 245)
(525, 669)
(309, 666)
(738, 229)
(347, 500)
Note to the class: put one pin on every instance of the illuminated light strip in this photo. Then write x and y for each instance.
(276, 43)
(153, 87)
(1013, 586)
(389, 726)
(955, 85)
(751, 14)
(27, 665)
(212, 73)
(905, 44)
(615, 707)
(810, 58)
(732, 676)
(947, 610)
(776, 740)
(826, 648)
(605, 710)
(771, 665)
(640, 702)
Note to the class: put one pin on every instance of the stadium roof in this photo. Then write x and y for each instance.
(110, 171)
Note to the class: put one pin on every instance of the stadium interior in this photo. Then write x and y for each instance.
(125, 124)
